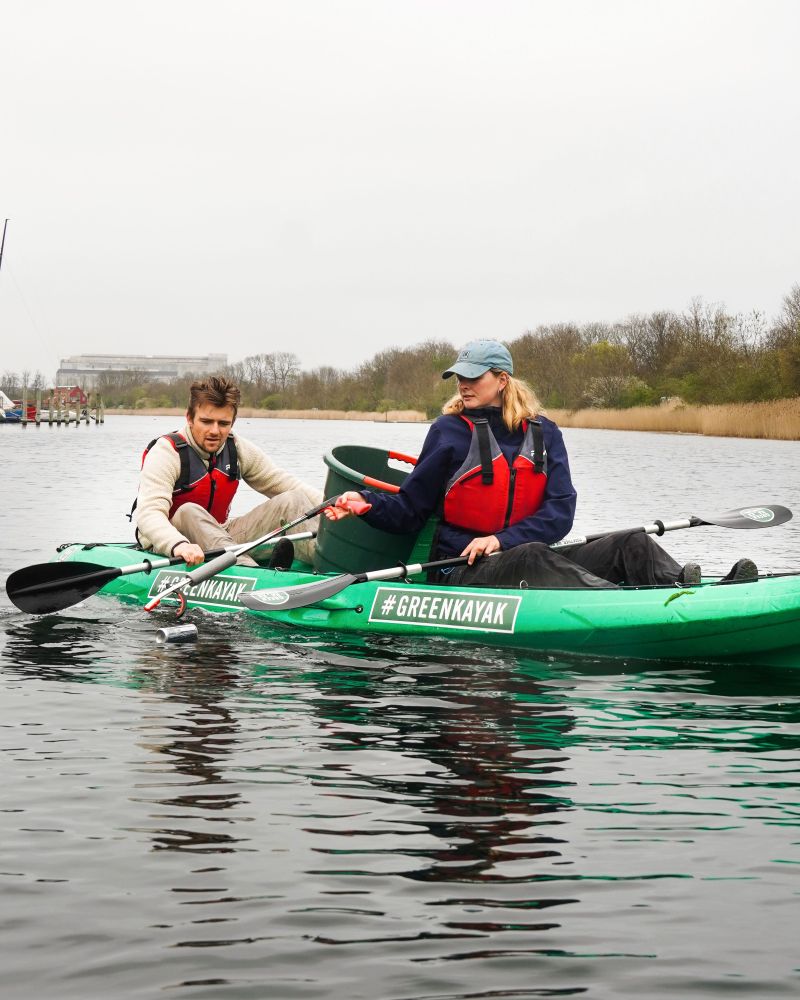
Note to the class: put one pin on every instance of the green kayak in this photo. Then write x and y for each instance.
(370, 582)
(756, 622)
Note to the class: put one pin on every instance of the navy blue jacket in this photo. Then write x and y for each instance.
(443, 452)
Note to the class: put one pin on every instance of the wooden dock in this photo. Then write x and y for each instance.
(57, 412)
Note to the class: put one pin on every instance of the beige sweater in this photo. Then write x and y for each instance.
(160, 472)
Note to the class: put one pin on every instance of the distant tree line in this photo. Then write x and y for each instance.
(703, 355)
(12, 383)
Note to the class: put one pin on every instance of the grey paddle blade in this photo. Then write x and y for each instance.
(299, 596)
(763, 516)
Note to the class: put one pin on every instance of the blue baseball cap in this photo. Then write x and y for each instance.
(478, 356)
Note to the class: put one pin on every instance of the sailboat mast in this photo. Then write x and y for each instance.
(3, 241)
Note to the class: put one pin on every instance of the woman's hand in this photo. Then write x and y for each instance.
(348, 503)
(480, 547)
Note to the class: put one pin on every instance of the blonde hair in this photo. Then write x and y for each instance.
(519, 402)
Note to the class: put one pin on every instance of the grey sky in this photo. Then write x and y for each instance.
(334, 178)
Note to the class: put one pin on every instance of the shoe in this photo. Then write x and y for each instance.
(690, 575)
(742, 571)
(282, 555)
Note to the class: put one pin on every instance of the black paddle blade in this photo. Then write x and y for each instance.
(48, 587)
(762, 516)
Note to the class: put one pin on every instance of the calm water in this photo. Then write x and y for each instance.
(269, 814)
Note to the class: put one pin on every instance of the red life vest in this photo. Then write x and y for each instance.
(487, 494)
(214, 487)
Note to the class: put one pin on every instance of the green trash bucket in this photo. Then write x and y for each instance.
(351, 545)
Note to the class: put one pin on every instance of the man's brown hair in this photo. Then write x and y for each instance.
(216, 390)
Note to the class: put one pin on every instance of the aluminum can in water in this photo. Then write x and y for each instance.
(177, 633)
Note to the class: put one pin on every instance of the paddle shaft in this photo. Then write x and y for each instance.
(655, 528)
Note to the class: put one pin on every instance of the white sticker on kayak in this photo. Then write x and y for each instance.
(762, 514)
(218, 592)
(449, 609)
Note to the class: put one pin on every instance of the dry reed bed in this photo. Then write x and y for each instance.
(389, 417)
(778, 419)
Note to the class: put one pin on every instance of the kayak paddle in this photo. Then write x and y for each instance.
(301, 595)
(47, 587)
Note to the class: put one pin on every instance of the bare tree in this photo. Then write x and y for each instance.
(10, 382)
(283, 369)
(786, 329)
(236, 371)
(651, 340)
(791, 307)
(748, 333)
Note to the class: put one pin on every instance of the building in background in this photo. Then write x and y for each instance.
(70, 396)
(85, 369)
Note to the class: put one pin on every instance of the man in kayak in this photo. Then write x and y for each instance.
(189, 478)
(496, 471)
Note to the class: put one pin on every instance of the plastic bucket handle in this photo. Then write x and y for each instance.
(347, 473)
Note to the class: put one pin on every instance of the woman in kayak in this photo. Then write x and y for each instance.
(495, 470)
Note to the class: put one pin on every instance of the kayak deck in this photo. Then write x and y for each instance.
(757, 622)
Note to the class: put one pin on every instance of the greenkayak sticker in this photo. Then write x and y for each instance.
(456, 609)
(218, 592)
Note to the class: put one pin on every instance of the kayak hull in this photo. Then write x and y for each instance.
(757, 622)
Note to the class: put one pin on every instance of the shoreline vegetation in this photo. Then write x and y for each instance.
(245, 412)
(701, 371)
(775, 419)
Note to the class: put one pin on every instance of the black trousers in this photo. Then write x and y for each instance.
(625, 557)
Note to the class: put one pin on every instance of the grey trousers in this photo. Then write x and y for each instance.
(200, 527)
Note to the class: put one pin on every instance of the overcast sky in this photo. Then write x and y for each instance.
(336, 177)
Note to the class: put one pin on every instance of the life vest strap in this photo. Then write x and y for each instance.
(538, 445)
(181, 445)
(481, 425)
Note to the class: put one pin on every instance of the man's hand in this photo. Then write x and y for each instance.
(191, 554)
(479, 547)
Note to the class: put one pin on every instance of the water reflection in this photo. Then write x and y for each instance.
(459, 741)
(188, 734)
(410, 805)
(61, 647)
(443, 769)
(187, 731)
